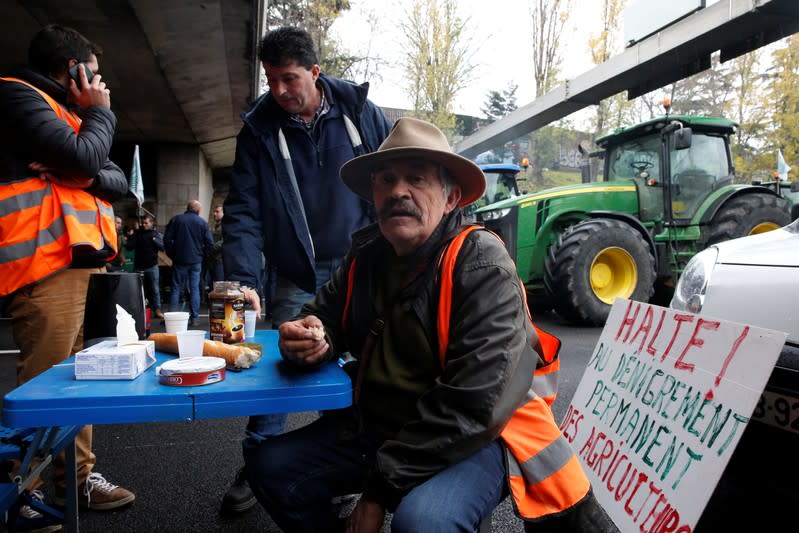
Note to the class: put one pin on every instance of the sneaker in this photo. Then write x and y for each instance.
(194, 323)
(30, 520)
(239, 497)
(99, 494)
(159, 313)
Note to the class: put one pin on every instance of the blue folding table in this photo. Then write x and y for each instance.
(55, 399)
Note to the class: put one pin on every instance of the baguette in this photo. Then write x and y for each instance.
(236, 356)
(165, 342)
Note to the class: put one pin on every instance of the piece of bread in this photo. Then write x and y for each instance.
(165, 342)
(317, 332)
(234, 355)
(238, 356)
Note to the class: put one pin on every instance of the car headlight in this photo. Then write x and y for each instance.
(496, 214)
(689, 295)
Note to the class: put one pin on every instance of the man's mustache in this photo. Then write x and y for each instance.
(401, 207)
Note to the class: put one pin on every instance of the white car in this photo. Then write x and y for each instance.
(754, 280)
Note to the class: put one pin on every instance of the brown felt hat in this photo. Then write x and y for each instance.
(413, 138)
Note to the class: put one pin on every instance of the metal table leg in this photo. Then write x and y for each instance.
(71, 475)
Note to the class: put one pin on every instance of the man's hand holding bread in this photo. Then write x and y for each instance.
(303, 341)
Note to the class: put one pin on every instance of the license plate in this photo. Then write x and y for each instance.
(778, 410)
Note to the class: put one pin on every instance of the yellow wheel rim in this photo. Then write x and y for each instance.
(763, 227)
(614, 274)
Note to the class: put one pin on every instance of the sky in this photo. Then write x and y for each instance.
(502, 48)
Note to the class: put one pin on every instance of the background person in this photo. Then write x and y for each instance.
(117, 264)
(428, 437)
(286, 200)
(214, 266)
(187, 241)
(55, 137)
(146, 242)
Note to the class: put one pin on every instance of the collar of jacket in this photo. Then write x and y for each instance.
(43, 82)
(265, 109)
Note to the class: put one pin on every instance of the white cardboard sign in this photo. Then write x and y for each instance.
(663, 402)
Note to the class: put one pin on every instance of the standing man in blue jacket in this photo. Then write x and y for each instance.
(146, 241)
(286, 200)
(187, 241)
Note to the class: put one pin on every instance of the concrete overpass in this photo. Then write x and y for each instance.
(180, 73)
(732, 26)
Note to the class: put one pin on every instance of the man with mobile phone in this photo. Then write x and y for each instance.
(56, 132)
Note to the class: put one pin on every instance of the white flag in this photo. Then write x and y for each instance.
(136, 186)
(782, 166)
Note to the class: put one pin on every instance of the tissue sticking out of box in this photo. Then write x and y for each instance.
(126, 328)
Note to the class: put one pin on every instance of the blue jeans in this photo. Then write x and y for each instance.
(295, 475)
(151, 286)
(181, 275)
(288, 302)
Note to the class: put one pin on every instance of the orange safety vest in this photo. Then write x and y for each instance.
(544, 474)
(41, 222)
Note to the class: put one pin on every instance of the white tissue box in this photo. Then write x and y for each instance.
(107, 360)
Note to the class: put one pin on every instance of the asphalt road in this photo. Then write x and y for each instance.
(179, 471)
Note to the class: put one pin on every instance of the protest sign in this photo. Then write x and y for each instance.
(663, 402)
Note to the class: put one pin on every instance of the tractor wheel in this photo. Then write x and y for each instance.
(748, 215)
(592, 264)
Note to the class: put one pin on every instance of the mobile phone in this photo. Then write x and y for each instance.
(73, 73)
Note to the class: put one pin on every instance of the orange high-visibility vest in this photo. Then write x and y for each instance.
(41, 222)
(545, 475)
(548, 365)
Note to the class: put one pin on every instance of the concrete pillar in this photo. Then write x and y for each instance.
(183, 175)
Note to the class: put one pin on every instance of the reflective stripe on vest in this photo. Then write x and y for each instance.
(41, 221)
(544, 473)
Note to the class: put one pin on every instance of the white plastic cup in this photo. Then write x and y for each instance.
(190, 343)
(176, 321)
(250, 319)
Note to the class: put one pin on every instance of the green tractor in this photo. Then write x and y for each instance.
(667, 192)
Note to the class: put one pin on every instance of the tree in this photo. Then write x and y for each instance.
(500, 103)
(748, 108)
(784, 93)
(437, 64)
(366, 64)
(316, 17)
(603, 46)
(548, 19)
(497, 105)
(706, 92)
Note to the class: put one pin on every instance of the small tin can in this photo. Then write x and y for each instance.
(191, 372)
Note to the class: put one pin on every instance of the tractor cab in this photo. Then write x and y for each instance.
(501, 184)
(673, 188)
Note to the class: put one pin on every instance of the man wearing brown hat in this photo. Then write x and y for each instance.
(446, 421)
